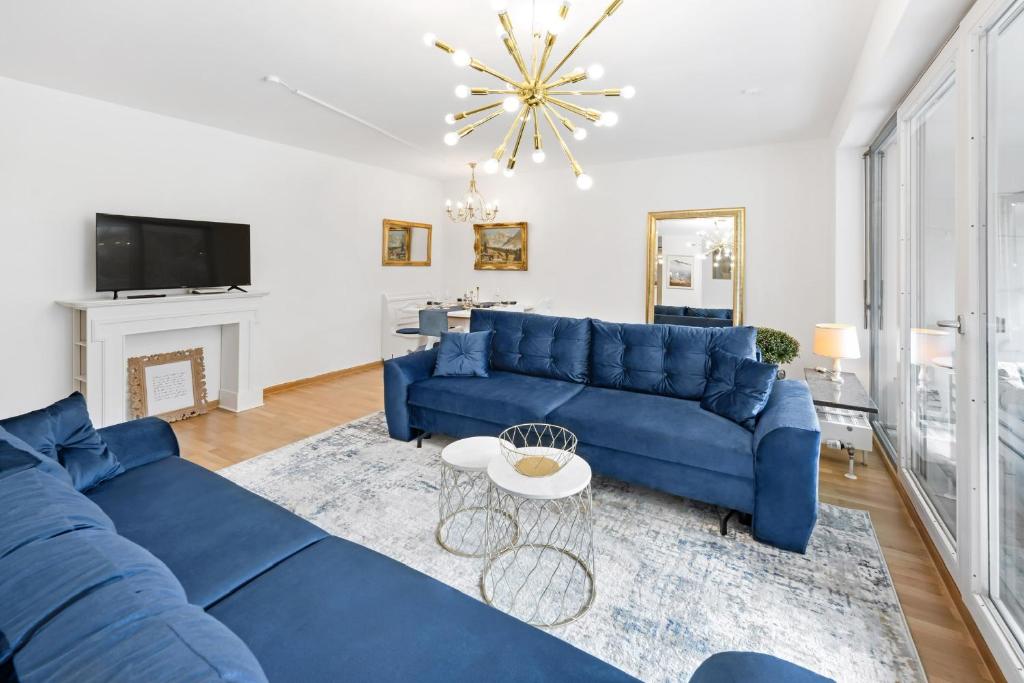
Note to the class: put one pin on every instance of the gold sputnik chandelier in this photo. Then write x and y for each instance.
(533, 95)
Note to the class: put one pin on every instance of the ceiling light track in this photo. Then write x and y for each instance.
(351, 117)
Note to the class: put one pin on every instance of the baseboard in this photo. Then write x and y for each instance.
(951, 587)
(325, 376)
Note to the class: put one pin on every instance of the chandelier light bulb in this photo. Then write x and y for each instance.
(460, 206)
(538, 156)
(584, 182)
(508, 172)
(628, 92)
(510, 104)
(595, 71)
(460, 58)
(429, 39)
(448, 202)
(609, 119)
(580, 133)
(462, 91)
(451, 139)
(491, 166)
(556, 26)
(449, 119)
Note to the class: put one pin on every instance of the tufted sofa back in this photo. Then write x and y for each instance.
(670, 360)
(540, 345)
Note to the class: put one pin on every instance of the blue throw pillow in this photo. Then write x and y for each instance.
(464, 354)
(737, 388)
(16, 455)
(64, 433)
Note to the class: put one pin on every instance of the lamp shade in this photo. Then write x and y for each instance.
(835, 340)
(927, 346)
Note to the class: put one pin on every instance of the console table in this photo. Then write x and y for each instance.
(843, 410)
(99, 362)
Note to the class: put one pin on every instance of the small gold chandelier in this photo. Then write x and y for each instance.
(535, 95)
(474, 208)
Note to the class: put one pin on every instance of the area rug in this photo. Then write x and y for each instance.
(670, 590)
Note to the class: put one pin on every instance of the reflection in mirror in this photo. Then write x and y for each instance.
(406, 244)
(695, 267)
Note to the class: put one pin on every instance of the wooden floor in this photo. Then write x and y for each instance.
(946, 648)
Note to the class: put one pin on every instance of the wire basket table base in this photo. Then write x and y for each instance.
(462, 512)
(545, 578)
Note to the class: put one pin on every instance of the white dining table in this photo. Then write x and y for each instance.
(459, 317)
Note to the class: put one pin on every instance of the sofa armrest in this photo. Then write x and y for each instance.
(139, 442)
(787, 442)
(399, 374)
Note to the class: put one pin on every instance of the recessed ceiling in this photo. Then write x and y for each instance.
(204, 60)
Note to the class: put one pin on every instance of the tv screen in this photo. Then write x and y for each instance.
(133, 252)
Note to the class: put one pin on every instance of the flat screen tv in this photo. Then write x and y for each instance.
(134, 253)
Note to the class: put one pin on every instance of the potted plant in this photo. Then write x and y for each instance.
(777, 347)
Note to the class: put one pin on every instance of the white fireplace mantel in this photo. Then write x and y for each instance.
(101, 326)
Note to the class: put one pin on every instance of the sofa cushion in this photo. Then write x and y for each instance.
(540, 345)
(720, 313)
(37, 506)
(16, 456)
(738, 388)
(661, 309)
(348, 609)
(752, 667)
(213, 534)
(64, 432)
(137, 629)
(659, 427)
(670, 360)
(39, 579)
(504, 398)
(462, 354)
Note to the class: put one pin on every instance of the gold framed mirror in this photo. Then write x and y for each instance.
(406, 243)
(696, 266)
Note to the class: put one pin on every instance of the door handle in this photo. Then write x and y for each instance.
(957, 324)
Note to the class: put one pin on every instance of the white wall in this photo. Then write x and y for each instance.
(587, 250)
(316, 231)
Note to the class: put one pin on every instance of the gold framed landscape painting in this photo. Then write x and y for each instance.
(500, 246)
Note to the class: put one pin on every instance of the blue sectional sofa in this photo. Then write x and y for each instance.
(165, 572)
(694, 317)
(631, 393)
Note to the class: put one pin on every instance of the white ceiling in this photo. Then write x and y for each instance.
(203, 60)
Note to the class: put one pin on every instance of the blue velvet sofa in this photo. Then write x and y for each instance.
(167, 572)
(695, 317)
(631, 394)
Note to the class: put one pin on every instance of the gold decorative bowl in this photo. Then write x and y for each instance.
(537, 449)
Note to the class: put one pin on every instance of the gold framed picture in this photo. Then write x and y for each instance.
(406, 243)
(171, 385)
(500, 246)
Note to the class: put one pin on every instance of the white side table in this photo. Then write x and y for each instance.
(462, 502)
(546, 577)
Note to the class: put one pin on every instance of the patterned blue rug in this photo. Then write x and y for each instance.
(670, 590)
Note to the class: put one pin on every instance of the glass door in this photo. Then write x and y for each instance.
(1005, 209)
(884, 320)
(932, 344)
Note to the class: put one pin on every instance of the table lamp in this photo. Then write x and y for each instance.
(927, 347)
(836, 341)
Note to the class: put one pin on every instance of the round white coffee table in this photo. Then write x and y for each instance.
(546, 577)
(462, 501)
